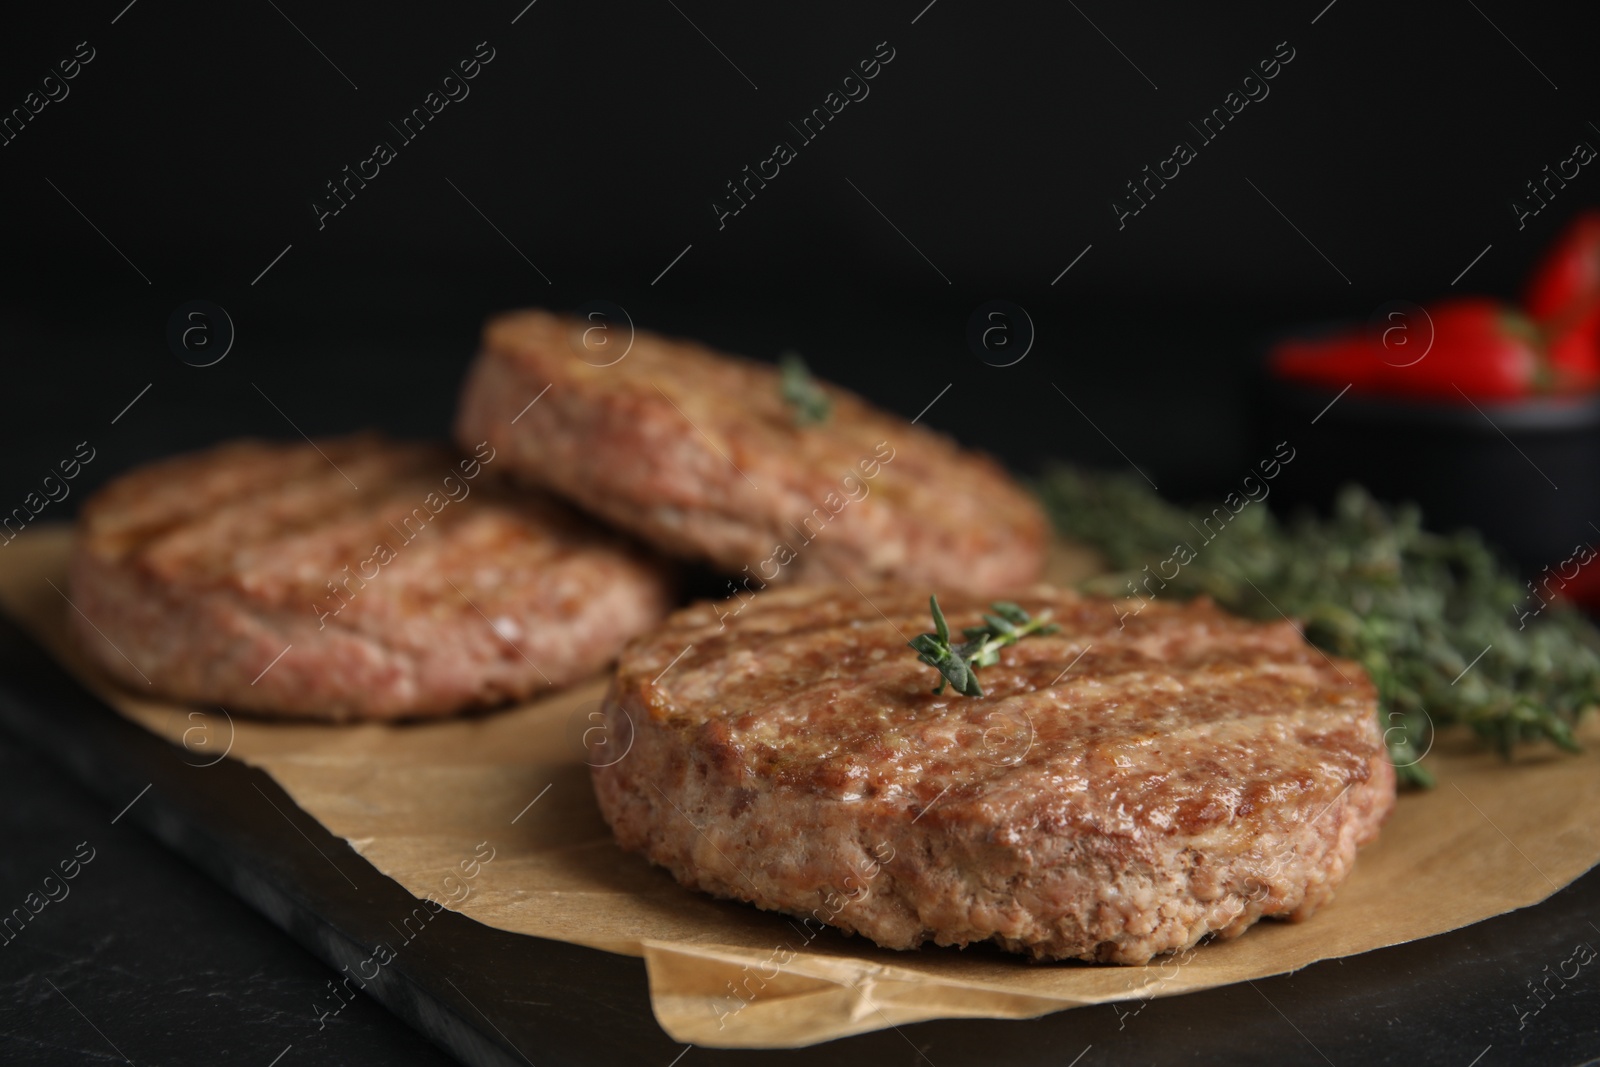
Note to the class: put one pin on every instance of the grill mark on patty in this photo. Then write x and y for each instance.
(806, 692)
(204, 568)
(137, 512)
(316, 526)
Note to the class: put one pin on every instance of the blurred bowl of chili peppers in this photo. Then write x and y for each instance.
(1485, 414)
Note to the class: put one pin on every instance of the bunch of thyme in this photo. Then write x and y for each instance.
(1431, 617)
(958, 664)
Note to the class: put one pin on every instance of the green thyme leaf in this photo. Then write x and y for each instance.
(999, 625)
(939, 625)
(957, 664)
(1009, 611)
(801, 392)
(1439, 624)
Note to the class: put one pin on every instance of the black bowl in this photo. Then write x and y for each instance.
(1526, 473)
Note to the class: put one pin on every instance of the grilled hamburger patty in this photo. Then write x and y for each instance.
(698, 453)
(423, 592)
(1118, 792)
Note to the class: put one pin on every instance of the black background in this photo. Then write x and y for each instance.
(593, 145)
(597, 139)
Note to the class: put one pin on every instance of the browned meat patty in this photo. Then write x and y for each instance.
(259, 577)
(1115, 794)
(698, 453)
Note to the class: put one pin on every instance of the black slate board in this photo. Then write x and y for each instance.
(490, 997)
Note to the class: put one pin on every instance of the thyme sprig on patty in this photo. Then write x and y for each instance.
(801, 392)
(958, 664)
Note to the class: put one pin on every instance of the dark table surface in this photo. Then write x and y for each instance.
(147, 960)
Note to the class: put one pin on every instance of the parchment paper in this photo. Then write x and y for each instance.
(426, 803)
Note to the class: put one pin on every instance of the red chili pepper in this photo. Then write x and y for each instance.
(1564, 296)
(1575, 351)
(1584, 588)
(1479, 348)
(1567, 280)
(1331, 362)
(1482, 348)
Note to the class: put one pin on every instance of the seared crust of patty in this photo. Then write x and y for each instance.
(697, 453)
(424, 592)
(1120, 790)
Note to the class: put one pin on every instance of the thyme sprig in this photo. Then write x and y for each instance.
(1432, 617)
(958, 664)
(801, 392)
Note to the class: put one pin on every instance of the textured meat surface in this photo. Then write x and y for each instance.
(696, 452)
(1118, 792)
(422, 592)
